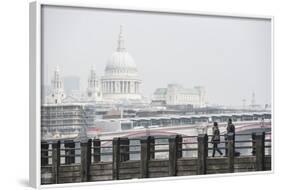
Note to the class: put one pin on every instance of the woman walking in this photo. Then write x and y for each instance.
(216, 139)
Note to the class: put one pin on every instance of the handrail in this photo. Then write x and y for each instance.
(97, 149)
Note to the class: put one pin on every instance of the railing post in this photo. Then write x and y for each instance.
(97, 150)
(254, 144)
(179, 146)
(230, 152)
(115, 158)
(44, 153)
(173, 155)
(226, 145)
(145, 156)
(69, 152)
(152, 147)
(85, 146)
(124, 149)
(202, 153)
(55, 161)
(260, 137)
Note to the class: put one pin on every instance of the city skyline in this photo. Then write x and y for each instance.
(247, 101)
(234, 84)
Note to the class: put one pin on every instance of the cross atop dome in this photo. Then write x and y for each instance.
(121, 41)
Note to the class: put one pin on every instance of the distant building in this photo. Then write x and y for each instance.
(71, 84)
(57, 90)
(254, 105)
(175, 94)
(93, 90)
(121, 80)
(120, 83)
(65, 120)
(159, 97)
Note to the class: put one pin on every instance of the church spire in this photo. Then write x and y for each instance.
(121, 41)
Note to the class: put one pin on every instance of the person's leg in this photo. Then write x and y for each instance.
(214, 149)
(219, 151)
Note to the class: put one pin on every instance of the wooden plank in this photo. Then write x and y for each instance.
(267, 166)
(245, 166)
(217, 161)
(115, 157)
(173, 153)
(158, 169)
(45, 181)
(100, 178)
(187, 168)
(70, 180)
(244, 170)
(267, 159)
(244, 159)
(260, 136)
(267, 162)
(158, 174)
(44, 154)
(69, 174)
(97, 150)
(145, 155)
(129, 176)
(217, 167)
(158, 163)
(230, 152)
(46, 175)
(69, 168)
(100, 172)
(101, 166)
(46, 169)
(202, 153)
(187, 162)
(217, 171)
(129, 171)
(130, 164)
(186, 173)
(55, 161)
(85, 147)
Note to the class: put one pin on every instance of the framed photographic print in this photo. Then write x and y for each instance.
(134, 94)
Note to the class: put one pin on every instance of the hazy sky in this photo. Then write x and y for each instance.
(231, 57)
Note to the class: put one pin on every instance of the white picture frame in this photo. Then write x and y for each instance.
(35, 84)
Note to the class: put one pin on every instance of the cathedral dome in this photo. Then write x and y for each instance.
(121, 62)
(121, 81)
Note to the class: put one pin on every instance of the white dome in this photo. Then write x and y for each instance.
(121, 81)
(121, 63)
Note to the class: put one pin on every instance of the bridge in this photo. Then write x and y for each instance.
(178, 125)
(191, 129)
(120, 158)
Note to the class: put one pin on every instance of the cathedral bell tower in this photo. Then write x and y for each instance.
(93, 90)
(57, 94)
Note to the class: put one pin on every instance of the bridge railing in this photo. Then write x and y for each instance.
(96, 159)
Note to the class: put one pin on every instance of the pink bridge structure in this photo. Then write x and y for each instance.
(188, 130)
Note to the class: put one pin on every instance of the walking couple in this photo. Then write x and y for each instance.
(216, 135)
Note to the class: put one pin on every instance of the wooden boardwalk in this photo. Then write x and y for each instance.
(92, 168)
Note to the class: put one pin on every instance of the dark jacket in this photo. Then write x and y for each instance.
(216, 135)
(230, 129)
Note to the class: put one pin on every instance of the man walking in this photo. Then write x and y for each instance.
(216, 139)
(230, 130)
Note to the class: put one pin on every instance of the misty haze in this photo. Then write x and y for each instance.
(229, 57)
